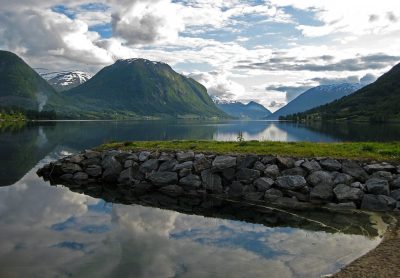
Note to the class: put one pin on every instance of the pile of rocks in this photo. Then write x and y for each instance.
(283, 181)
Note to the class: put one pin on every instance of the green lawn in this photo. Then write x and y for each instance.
(361, 151)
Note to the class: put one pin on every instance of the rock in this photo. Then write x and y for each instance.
(345, 193)
(263, 184)
(396, 183)
(311, 166)
(67, 177)
(229, 174)
(342, 206)
(298, 195)
(247, 162)
(331, 164)
(166, 157)
(191, 181)
(376, 203)
(353, 169)
(163, 178)
(380, 167)
(168, 165)
(78, 158)
(383, 175)
(201, 164)
(235, 189)
(259, 166)
(321, 193)
(395, 194)
(128, 163)
(126, 176)
(91, 161)
(341, 178)
(199, 156)
(70, 168)
(272, 171)
(268, 159)
(94, 171)
(296, 171)
(112, 169)
(299, 162)
(185, 156)
(184, 165)
(359, 185)
(285, 162)
(185, 172)
(320, 178)
(149, 166)
(247, 175)
(172, 190)
(80, 176)
(272, 194)
(253, 196)
(92, 154)
(224, 162)
(211, 181)
(291, 182)
(133, 157)
(377, 186)
(389, 201)
(143, 156)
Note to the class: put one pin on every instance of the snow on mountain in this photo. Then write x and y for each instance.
(64, 80)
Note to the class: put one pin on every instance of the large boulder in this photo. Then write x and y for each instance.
(345, 193)
(321, 193)
(377, 186)
(296, 171)
(247, 175)
(272, 194)
(143, 156)
(395, 194)
(263, 184)
(184, 165)
(247, 161)
(70, 168)
(80, 177)
(149, 166)
(353, 169)
(235, 189)
(383, 175)
(112, 169)
(185, 156)
(311, 166)
(201, 164)
(342, 178)
(377, 203)
(211, 181)
(163, 178)
(372, 168)
(126, 176)
(168, 166)
(223, 162)
(191, 181)
(320, 178)
(268, 159)
(272, 171)
(94, 171)
(396, 183)
(259, 166)
(285, 162)
(291, 182)
(331, 164)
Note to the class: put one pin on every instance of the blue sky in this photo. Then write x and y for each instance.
(267, 51)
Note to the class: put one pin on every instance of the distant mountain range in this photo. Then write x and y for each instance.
(250, 111)
(379, 102)
(315, 97)
(65, 80)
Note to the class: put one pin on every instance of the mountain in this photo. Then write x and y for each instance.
(22, 88)
(379, 101)
(147, 89)
(315, 97)
(65, 80)
(252, 110)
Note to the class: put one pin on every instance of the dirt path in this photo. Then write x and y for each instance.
(382, 262)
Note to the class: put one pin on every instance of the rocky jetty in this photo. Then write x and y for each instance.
(269, 180)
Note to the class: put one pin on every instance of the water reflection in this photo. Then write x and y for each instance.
(53, 232)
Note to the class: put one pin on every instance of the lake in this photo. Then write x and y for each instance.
(51, 231)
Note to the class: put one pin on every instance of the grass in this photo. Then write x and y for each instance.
(356, 150)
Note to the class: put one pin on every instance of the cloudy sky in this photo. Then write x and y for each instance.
(268, 51)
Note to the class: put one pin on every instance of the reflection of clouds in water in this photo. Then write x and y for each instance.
(50, 231)
(41, 140)
(270, 132)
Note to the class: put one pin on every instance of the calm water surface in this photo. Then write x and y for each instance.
(50, 231)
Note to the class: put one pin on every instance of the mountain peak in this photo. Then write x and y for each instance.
(137, 60)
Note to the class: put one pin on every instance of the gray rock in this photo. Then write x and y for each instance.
(359, 185)
(185, 156)
(163, 178)
(67, 177)
(172, 190)
(311, 166)
(263, 184)
(354, 170)
(377, 186)
(235, 189)
(191, 181)
(199, 156)
(253, 196)
(247, 175)
(380, 167)
(285, 162)
(133, 157)
(143, 156)
(268, 159)
(375, 203)
(91, 161)
(80, 176)
(259, 166)
(78, 158)
(166, 157)
(70, 168)
(395, 194)
(185, 172)
(247, 161)
(396, 183)
(184, 165)
(272, 194)
(229, 174)
(149, 165)
(211, 181)
(321, 193)
(112, 169)
(298, 195)
(272, 171)
(128, 163)
(126, 176)
(342, 178)
(92, 154)
(296, 171)
(224, 162)
(201, 164)
(383, 175)
(291, 182)
(320, 178)
(345, 193)
(94, 171)
(389, 200)
(331, 164)
(167, 166)
(299, 162)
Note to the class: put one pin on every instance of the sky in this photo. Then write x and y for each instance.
(267, 51)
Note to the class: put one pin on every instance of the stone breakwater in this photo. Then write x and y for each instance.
(280, 181)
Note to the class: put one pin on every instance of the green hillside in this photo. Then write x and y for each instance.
(377, 102)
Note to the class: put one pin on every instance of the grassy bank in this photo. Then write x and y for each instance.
(12, 117)
(361, 151)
